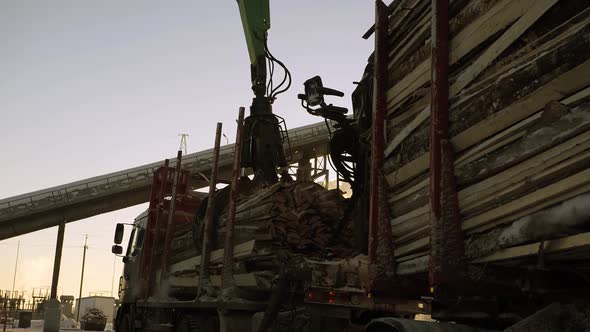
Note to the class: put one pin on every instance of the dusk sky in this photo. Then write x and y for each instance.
(92, 87)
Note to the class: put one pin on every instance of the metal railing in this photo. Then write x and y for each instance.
(112, 183)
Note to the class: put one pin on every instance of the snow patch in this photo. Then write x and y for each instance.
(558, 221)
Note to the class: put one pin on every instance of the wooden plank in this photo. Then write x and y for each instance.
(242, 280)
(554, 246)
(409, 171)
(413, 235)
(531, 16)
(509, 188)
(526, 212)
(494, 20)
(412, 247)
(557, 89)
(577, 96)
(481, 149)
(422, 184)
(525, 169)
(401, 12)
(411, 256)
(410, 225)
(240, 251)
(499, 144)
(561, 166)
(417, 121)
(483, 146)
(412, 214)
(553, 190)
(550, 41)
(528, 171)
(423, 29)
(416, 265)
(413, 110)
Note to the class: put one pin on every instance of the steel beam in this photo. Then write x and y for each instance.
(380, 241)
(57, 260)
(52, 317)
(446, 238)
(171, 214)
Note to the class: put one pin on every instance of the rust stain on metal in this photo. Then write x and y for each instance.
(446, 238)
(163, 182)
(380, 241)
(171, 212)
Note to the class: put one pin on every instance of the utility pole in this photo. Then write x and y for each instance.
(82, 278)
(183, 143)
(15, 265)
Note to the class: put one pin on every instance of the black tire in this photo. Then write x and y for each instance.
(184, 325)
(194, 323)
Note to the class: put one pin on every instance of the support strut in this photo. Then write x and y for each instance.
(447, 253)
(380, 241)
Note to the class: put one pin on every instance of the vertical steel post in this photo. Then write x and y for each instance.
(57, 261)
(440, 95)
(5, 313)
(16, 265)
(171, 212)
(446, 239)
(208, 227)
(380, 242)
(228, 254)
(52, 315)
(82, 277)
(304, 169)
(159, 212)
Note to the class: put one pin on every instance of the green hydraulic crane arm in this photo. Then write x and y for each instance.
(255, 15)
(262, 148)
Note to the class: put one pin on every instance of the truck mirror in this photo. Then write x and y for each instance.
(119, 230)
(117, 249)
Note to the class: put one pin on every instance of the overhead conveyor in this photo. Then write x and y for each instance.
(46, 208)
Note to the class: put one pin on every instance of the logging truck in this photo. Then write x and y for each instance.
(467, 153)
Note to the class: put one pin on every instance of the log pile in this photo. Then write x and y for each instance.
(302, 217)
(275, 227)
(519, 115)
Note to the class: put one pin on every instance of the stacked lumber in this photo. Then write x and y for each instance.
(519, 117)
(302, 217)
(275, 227)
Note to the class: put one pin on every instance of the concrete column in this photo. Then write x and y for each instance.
(52, 307)
(304, 169)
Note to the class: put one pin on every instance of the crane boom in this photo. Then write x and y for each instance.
(255, 15)
(263, 142)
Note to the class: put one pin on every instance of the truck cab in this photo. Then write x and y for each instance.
(132, 257)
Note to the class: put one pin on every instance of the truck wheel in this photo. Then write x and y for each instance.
(191, 323)
(184, 325)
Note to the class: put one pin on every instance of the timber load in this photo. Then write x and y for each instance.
(276, 228)
(519, 119)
